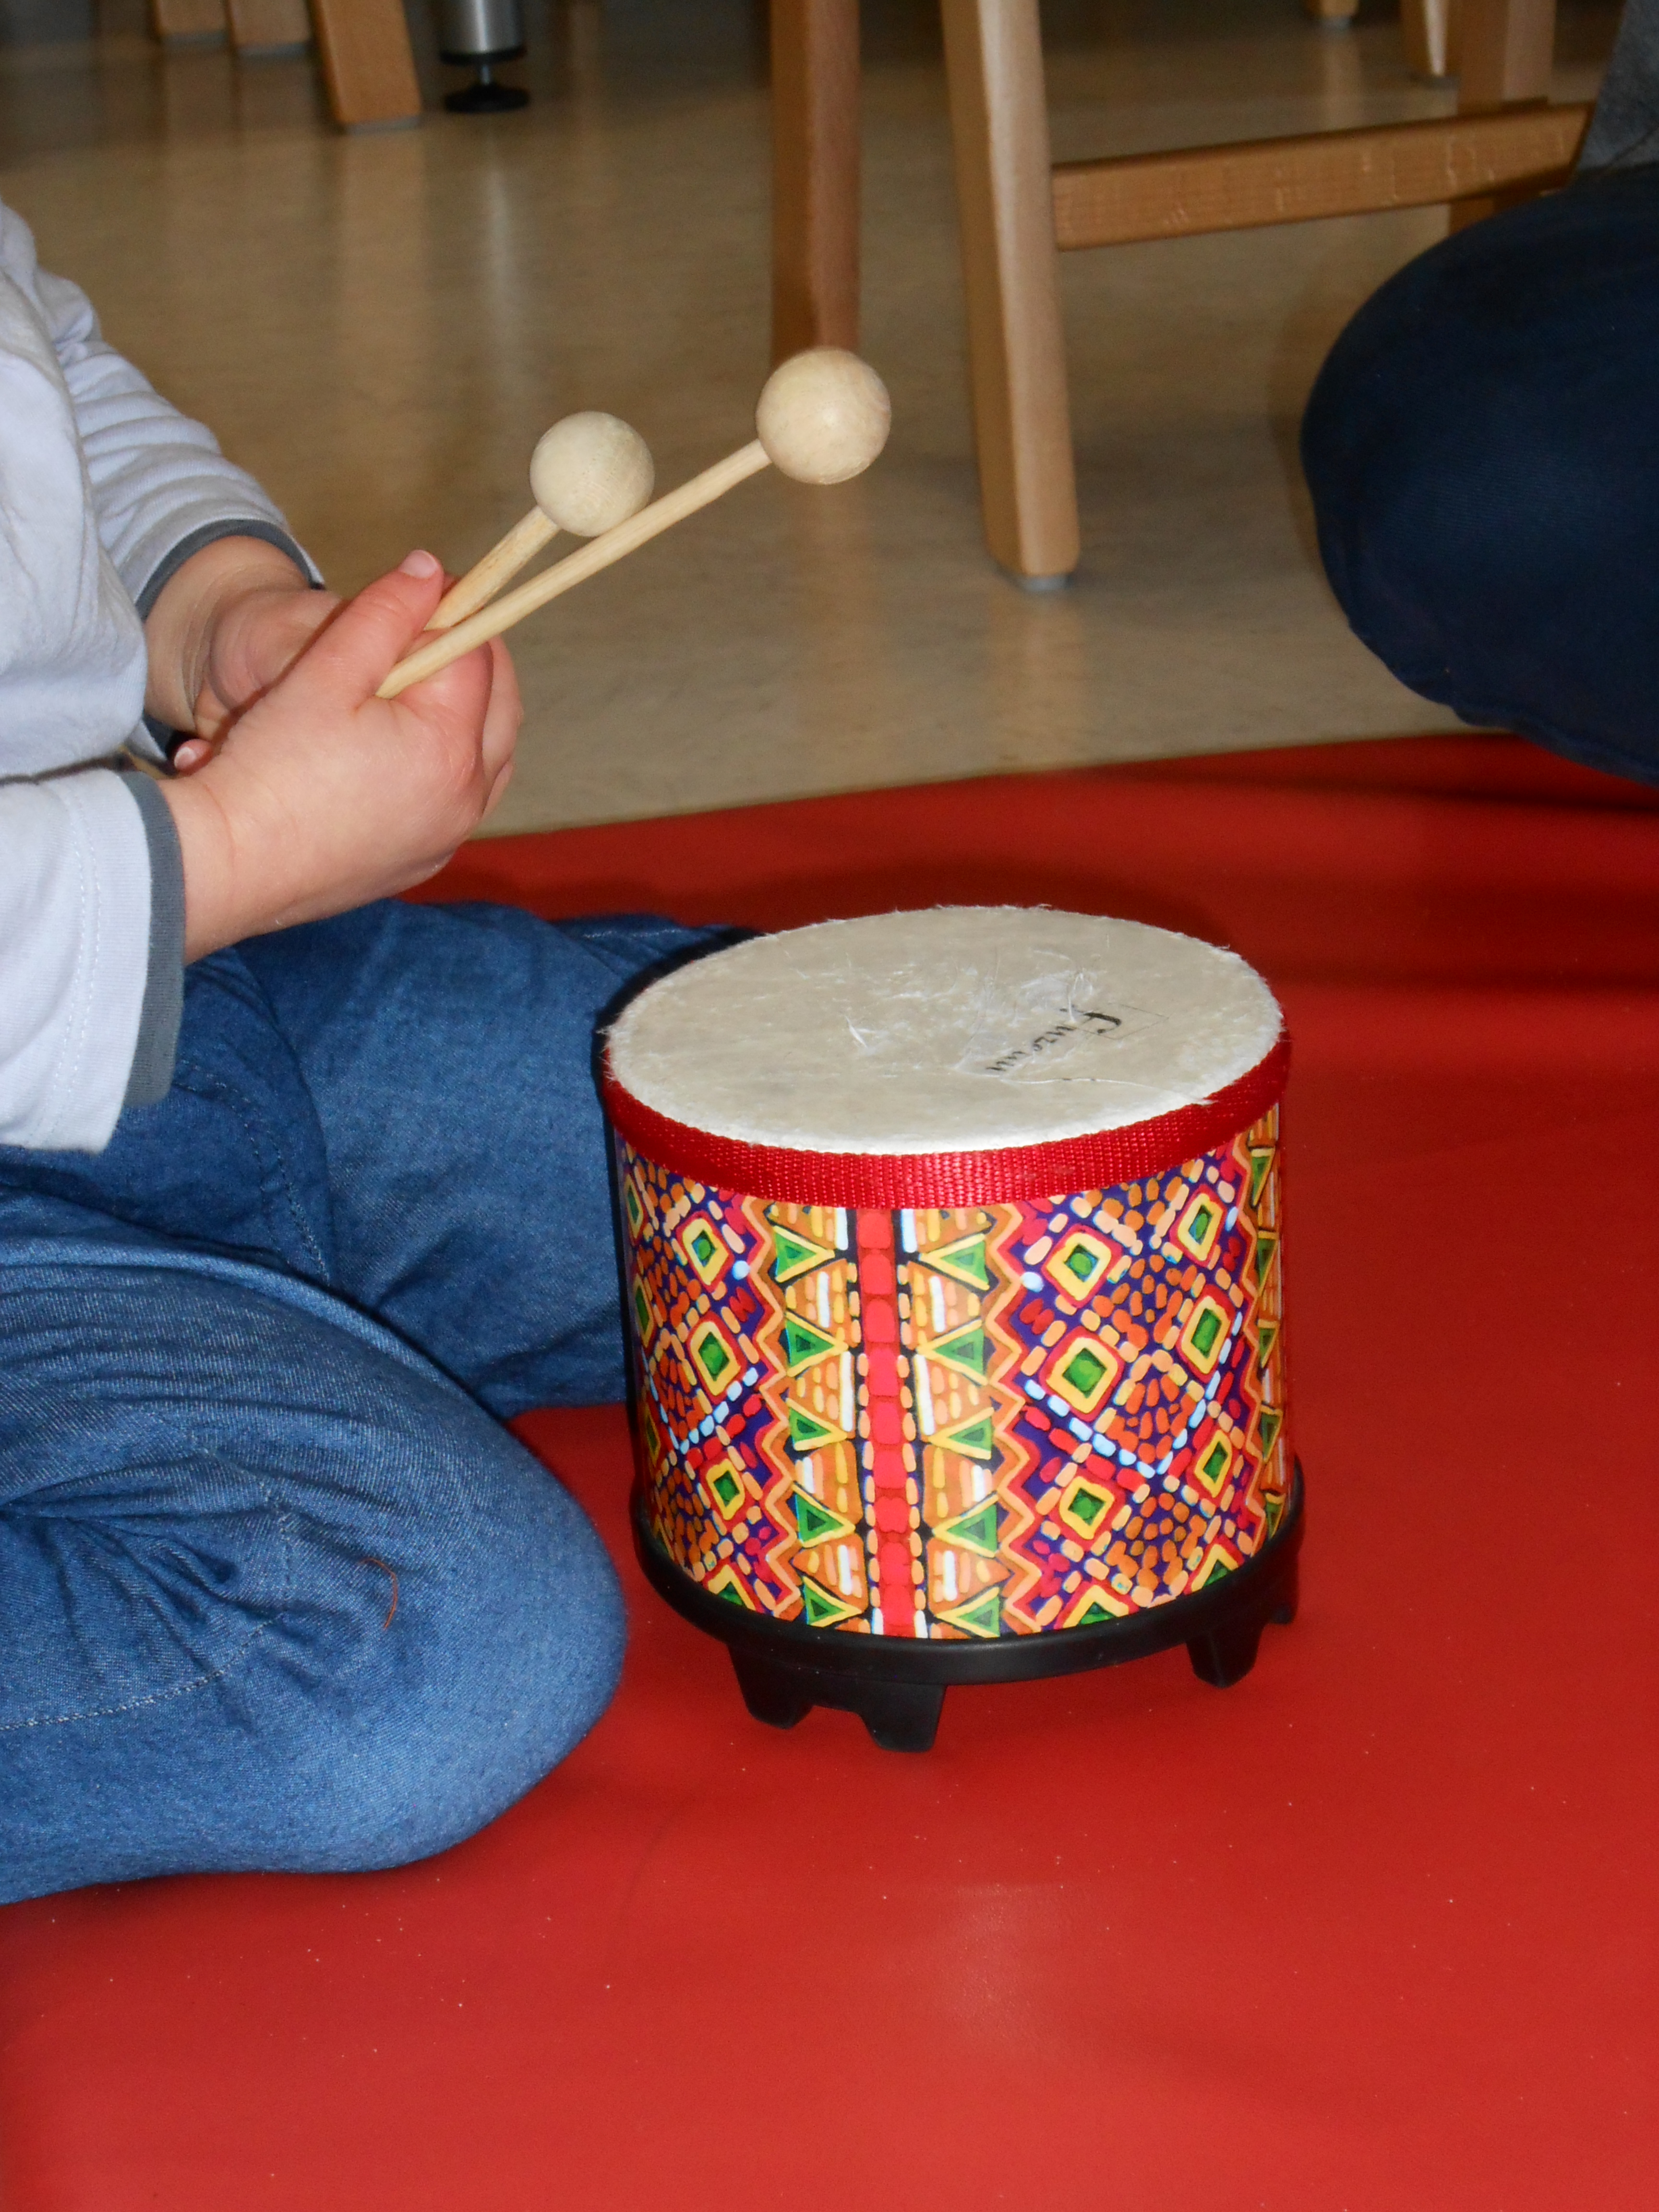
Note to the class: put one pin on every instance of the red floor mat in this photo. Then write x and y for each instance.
(1373, 1929)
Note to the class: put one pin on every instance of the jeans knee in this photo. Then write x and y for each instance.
(505, 1694)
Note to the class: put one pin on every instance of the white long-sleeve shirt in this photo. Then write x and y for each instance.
(105, 489)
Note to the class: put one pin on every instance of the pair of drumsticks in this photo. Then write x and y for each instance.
(823, 417)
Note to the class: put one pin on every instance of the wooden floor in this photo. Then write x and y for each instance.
(380, 327)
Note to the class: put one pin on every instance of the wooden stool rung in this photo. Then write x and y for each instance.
(1300, 179)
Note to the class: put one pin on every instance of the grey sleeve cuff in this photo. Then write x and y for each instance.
(165, 741)
(164, 983)
(210, 534)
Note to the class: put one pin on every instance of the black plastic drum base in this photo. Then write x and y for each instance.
(900, 1715)
(896, 1687)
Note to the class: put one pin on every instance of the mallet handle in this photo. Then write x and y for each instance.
(576, 568)
(485, 578)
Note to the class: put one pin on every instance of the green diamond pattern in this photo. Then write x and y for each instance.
(1084, 1371)
(1205, 1332)
(1086, 1506)
(712, 1358)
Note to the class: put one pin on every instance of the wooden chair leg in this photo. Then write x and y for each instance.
(1335, 15)
(180, 20)
(368, 65)
(268, 26)
(815, 175)
(1505, 51)
(1429, 29)
(1016, 342)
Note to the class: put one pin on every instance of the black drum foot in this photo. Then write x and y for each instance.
(900, 1715)
(773, 1694)
(1289, 1592)
(1227, 1653)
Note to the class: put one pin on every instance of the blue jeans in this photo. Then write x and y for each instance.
(1483, 450)
(276, 1589)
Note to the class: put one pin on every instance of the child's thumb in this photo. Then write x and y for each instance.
(372, 632)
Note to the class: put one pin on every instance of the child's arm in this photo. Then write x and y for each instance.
(323, 798)
(160, 484)
(191, 536)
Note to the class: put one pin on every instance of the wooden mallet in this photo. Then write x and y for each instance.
(590, 472)
(824, 417)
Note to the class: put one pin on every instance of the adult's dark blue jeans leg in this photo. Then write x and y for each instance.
(1482, 448)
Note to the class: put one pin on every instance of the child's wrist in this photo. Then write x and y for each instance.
(206, 852)
(183, 625)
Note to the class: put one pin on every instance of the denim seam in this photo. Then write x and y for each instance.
(197, 1681)
(338, 1309)
(214, 1087)
(269, 1004)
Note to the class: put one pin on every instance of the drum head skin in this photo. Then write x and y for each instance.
(945, 1030)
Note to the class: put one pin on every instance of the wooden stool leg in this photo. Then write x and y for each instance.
(187, 20)
(268, 26)
(1016, 342)
(1505, 51)
(815, 175)
(1426, 27)
(368, 65)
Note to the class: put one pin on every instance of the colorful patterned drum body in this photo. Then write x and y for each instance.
(953, 1274)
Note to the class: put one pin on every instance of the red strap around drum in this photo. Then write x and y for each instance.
(978, 1178)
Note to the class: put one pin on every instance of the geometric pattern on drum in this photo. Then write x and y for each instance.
(978, 1421)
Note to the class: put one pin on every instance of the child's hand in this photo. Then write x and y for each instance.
(256, 639)
(322, 797)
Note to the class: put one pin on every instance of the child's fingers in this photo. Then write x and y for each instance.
(504, 713)
(477, 694)
(456, 696)
(285, 626)
(503, 777)
(363, 644)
